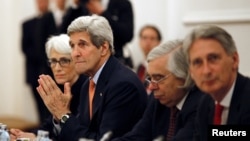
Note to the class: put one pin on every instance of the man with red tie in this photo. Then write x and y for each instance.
(213, 64)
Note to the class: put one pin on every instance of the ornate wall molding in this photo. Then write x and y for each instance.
(217, 16)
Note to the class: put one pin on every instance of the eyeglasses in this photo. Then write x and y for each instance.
(63, 62)
(149, 80)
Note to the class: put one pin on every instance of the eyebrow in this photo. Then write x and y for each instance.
(60, 58)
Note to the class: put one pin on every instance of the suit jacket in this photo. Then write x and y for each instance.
(35, 59)
(48, 28)
(119, 102)
(70, 15)
(239, 111)
(120, 15)
(155, 121)
(35, 33)
(31, 46)
(75, 91)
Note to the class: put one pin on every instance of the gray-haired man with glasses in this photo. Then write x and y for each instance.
(170, 114)
(155, 82)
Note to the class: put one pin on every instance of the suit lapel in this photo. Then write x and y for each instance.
(211, 111)
(102, 82)
(233, 116)
(162, 114)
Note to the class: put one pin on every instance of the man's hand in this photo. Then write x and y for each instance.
(57, 102)
(17, 133)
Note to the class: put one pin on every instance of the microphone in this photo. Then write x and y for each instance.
(159, 138)
(106, 136)
(85, 139)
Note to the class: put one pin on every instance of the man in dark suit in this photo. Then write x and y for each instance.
(119, 97)
(172, 87)
(34, 59)
(76, 10)
(213, 64)
(120, 15)
(52, 22)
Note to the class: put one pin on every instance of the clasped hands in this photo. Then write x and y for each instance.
(57, 102)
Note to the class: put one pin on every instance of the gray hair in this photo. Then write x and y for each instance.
(59, 43)
(96, 26)
(177, 62)
(210, 32)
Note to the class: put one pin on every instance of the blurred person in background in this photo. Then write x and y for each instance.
(149, 37)
(59, 59)
(120, 15)
(52, 21)
(50, 25)
(31, 48)
(75, 10)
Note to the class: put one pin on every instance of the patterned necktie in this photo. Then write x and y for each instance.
(172, 123)
(91, 95)
(217, 114)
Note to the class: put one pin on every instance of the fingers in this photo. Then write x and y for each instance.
(55, 100)
(12, 137)
(48, 90)
(47, 83)
(47, 86)
(14, 134)
(67, 88)
(21, 134)
(15, 131)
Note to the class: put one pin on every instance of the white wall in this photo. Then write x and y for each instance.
(177, 17)
(147, 12)
(234, 16)
(16, 98)
(174, 17)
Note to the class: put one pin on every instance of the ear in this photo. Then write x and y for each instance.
(104, 49)
(236, 60)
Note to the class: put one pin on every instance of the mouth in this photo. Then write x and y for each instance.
(59, 75)
(79, 62)
(157, 96)
(208, 82)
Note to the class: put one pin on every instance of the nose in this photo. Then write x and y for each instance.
(206, 68)
(58, 66)
(73, 52)
(152, 86)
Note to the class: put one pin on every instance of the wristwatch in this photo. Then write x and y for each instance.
(65, 118)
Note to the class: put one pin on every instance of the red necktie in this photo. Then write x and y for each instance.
(141, 72)
(217, 114)
(91, 95)
(172, 123)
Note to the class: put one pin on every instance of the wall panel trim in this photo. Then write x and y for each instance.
(217, 16)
